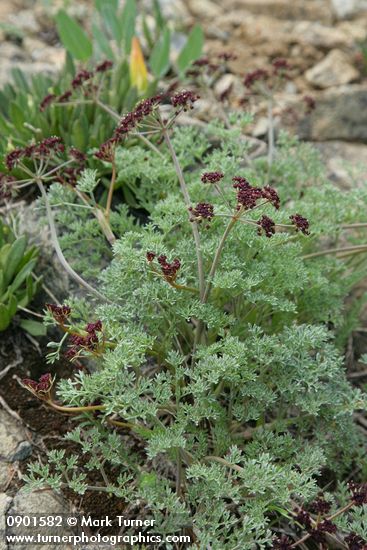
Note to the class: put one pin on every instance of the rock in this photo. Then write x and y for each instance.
(229, 82)
(204, 8)
(321, 36)
(4, 475)
(5, 503)
(42, 53)
(340, 114)
(334, 70)
(25, 21)
(11, 436)
(347, 8)
(313, 10)
(346, 163)
(38, 502)
(23, 451)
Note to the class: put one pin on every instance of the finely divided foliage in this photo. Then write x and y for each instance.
(207, 373)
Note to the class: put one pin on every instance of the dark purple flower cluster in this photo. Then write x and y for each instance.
(355, 542)
(65, 96)
(359, 492)
(106, 151)
(78, 81)
(88, 342)
(42, 387)
(79, 156)
(46, 101)
(184, 100)
(169, 269)
(266, 225)
(104, 66)
(227, 56)
(280, 66)
(246, 194)
(150, 256)
(310, 104)
(302, 224)
(143, 109)
(303, 517)
(46, 148)
(320, 506)
(282, 543)
(252, 78)
(202, 211)
(211, 177)
(59, 313)
(271, 195)
(81, 77)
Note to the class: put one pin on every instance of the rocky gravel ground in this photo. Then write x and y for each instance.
(322, 40)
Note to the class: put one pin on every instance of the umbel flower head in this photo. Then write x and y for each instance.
(202, 211)
(59, 313)
(85, 342)
(169, 269)
(212, 177)
(301, 224)
(42, 388)
(46, 148)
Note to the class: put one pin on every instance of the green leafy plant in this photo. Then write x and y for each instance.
(208, 373)
(17, 287)
(73, 105)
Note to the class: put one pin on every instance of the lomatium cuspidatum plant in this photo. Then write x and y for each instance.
(206, 373)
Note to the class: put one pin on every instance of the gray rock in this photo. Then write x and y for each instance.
(23, 451)
(347, 8)
(313, 10)
(5, 503)
(24, 20)
(38, 502)
(12, 434)
(4, 475)
(321, 36)
(334, 70)
(346, 163)
(340, 114)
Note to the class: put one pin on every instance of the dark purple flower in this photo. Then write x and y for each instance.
(302, 224)
(169, 269)
(255, 76)
(355, 542)
(41, 388)
(271, 195)
(104, 66)
(81, 77)
(211, 177)
(106, 151)
(310, 104)
(150, 256)
(59, 313)
(65, 96)
(359, 492)
(320, 506)
(94, 327)
(303, 517)
(46, 101)
(184, 99)
(202, 211)
(266, 225)
(79, 156)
